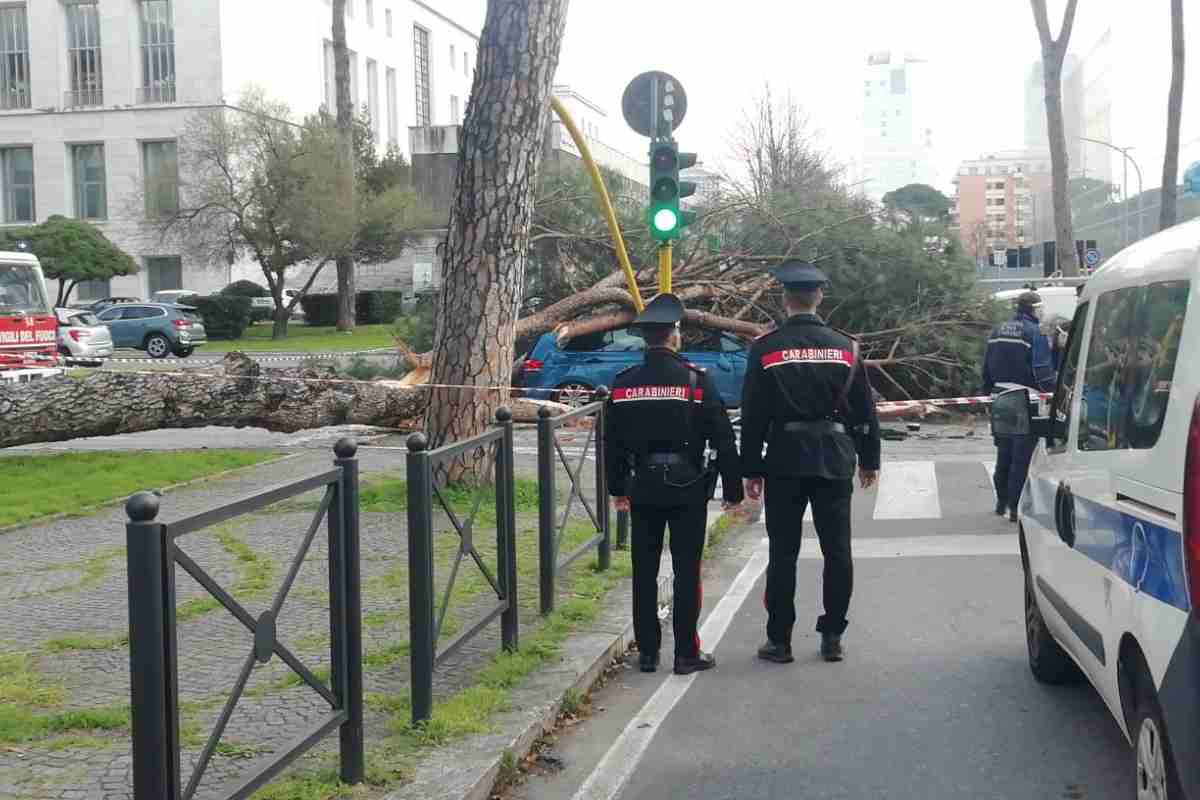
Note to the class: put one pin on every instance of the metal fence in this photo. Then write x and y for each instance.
(552, 526)
(154, 551)
(423, 495)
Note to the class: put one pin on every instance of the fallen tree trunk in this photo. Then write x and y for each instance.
(241, 394)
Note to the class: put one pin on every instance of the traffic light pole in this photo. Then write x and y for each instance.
(664, 267)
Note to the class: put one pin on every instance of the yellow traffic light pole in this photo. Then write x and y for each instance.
(664, 267)
(610, 216)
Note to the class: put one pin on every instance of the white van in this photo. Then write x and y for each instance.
(1058, 302)
(1110, 516)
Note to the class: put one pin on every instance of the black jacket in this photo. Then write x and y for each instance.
(797, 373)
(649, 412)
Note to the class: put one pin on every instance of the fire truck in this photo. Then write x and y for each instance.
(28, 327)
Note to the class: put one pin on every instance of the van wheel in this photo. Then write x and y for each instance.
(575, 395)
(1047, 660)
(1156, 777)
(158, 346)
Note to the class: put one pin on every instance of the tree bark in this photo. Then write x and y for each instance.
(1170, 194)
(483, 270)
(1054, 52)
(345, 128)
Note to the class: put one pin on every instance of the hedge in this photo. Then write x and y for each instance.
(225, 316)
(370, 308)
(245, 288)
(319, 309)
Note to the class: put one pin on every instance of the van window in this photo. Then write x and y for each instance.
(1061, 414)
(1105, 401)
(1156, 337)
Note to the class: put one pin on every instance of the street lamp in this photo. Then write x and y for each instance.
(1124, 151)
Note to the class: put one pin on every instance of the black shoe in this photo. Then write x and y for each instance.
(778, 653)
(686, 665)
(1012, 515)
(648, 662)
(831, 646)
(1000, 509)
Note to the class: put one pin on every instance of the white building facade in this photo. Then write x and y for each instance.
(899, 105)
(94, 95)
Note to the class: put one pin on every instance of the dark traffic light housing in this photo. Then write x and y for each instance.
(665, 216)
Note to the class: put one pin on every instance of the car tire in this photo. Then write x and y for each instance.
(158, 346)
(184, 352)
(1154, 764)
(1048, 662)
(575, 395)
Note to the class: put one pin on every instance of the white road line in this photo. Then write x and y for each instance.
(991, 544)
(990, 466)
(908, 490)
(619, 763)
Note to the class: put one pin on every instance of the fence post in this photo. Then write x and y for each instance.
(604, 551)
(622, 530)
(506, 531)
(420, 575)
(153, 692)
(353, 758)
(547, 555)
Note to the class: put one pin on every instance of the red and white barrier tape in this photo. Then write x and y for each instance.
(894, 405)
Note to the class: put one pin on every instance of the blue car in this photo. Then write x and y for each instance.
(565, 374)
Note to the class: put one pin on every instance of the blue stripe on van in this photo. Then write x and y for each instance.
(1106, 536)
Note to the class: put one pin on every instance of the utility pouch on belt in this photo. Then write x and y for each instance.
(1011, 415)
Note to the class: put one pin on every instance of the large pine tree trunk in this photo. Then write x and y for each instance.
(1170, 179)
(1054, 52)
(483, 266)
(345, 126)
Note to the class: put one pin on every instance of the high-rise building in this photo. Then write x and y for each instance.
(1036, 127)
(897, 123)
(1002, 201)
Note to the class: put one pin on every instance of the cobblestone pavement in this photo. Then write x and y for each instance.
(64, 588)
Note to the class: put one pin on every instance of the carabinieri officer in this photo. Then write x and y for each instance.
(661, 415)
(808, 398)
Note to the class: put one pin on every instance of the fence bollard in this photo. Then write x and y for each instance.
(547, 500)
(506, 531)
(604, 551)
(352, 752)
(420, 576)
(153, 690)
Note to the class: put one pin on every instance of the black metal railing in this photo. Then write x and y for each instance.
(154, 552)
(552, 526)
(423, 493)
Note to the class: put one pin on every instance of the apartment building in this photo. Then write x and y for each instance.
(1002, 201)
(95, 94)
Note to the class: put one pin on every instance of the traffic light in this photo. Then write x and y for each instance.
(665, 216)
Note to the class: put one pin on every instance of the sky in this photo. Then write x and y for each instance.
(724, 54)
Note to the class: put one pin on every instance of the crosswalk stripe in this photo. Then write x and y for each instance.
(990, 467)
(908, 490)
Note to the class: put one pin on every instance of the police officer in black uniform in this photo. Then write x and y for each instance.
(808, 398)
(661, 414)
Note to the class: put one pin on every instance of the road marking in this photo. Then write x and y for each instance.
(619, 763)
(992, 544)
(908, 490)
(990, 466)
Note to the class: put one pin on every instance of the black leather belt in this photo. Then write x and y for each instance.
(814, 426)
(661, 459)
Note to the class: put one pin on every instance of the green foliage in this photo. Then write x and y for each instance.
(320, 310)
(919, 200)
(225, 316)
(71, 250)
(378, 307)
(250, 289)
(415, 329)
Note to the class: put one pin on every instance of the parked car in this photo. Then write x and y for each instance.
(82, 335)
(96, 306)
(179, 297)
(1110, 516)
(566, 373)
(157, 328)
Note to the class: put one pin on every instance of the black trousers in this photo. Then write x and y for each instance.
(1013, 454)
(786, 501)
(648, 524)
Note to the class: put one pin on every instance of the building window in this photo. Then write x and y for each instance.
(353, 81)
(330, 87)
(421, 70)
(454, 118)
(466, 63)
(453, 57)
(350, 8)
(387, 22)
(91, 195)
(14, 58)
(370, 13)
(392, 109)
(17, 163)
(158, 52)
(373, 99)
(93, 290)
(160, 166)
(83, 55)
(164, 273)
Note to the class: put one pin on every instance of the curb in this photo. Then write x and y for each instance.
(469, 769)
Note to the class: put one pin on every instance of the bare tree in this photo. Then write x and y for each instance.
(345, 128)
(483, 268)
(776, 145)
(1054, 51)
(1170, 195)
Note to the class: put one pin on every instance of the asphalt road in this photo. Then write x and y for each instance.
(935, 699)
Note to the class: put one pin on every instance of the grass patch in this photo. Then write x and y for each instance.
(70, 642)
(23, 693)
(306, 339)
(40, 485)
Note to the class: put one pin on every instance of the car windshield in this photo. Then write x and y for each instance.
(21, 290)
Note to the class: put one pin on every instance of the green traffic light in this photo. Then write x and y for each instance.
(665, 220)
